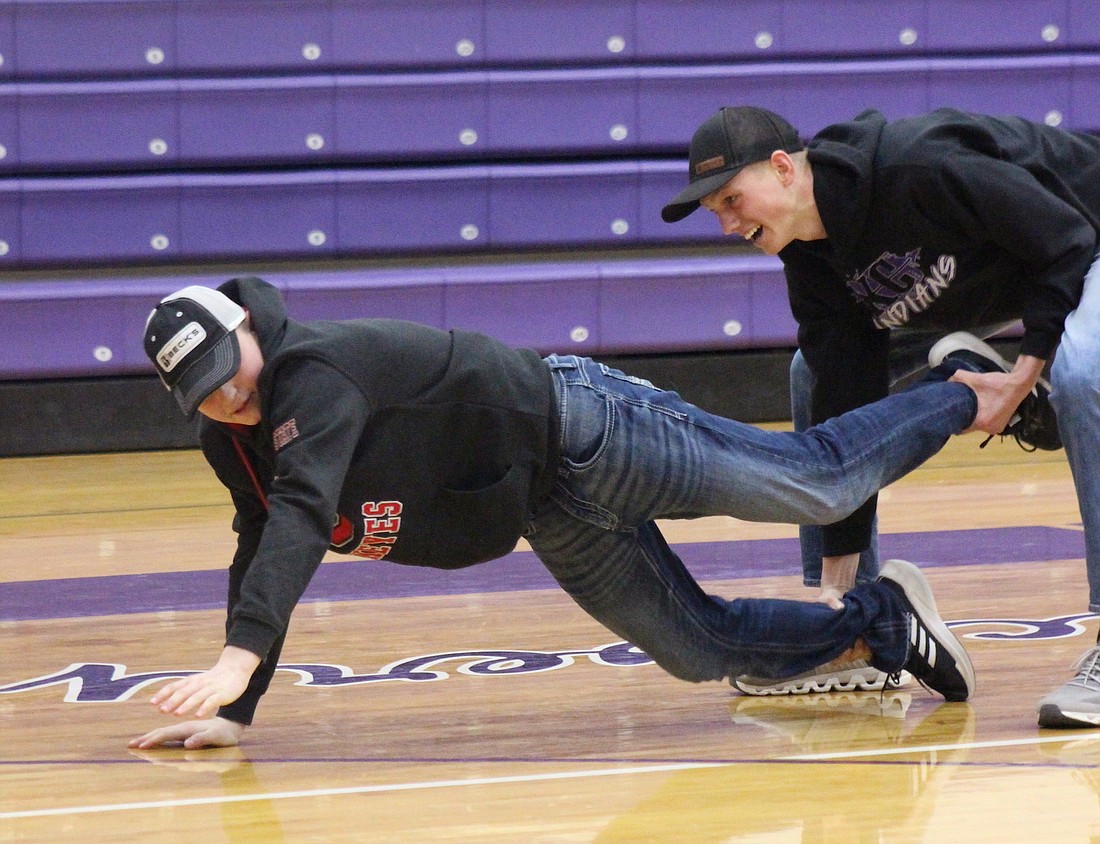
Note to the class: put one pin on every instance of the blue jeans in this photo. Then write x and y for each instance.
(1075, 396)
(908, 357)
(632, 453)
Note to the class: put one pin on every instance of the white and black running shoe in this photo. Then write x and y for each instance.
(936, 657)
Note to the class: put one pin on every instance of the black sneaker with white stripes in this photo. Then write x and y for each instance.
(936, 657)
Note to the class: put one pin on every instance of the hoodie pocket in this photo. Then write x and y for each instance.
(475, 525)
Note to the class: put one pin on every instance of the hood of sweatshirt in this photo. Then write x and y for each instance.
(842, 156)
(265, 307)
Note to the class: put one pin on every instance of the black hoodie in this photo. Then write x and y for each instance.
(381, 439)
(946, 221)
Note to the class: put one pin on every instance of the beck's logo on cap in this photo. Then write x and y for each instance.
(185, 341)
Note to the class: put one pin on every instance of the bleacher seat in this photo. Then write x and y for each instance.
(586, 306)
(145, 135)
(255, 121)
(87, 40)
(96, 38)
(404, 34)
(480, 116)
(239, 36)
(443, 209)
(416, 116)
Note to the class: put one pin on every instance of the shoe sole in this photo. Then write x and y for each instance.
(867, 680)
(919, 594)
(1051, 715)
(964, 341)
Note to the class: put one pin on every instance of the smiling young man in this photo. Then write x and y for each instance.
(769, 203)
(892, 235)
(397, 442)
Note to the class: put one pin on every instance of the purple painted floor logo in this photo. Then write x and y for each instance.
(109, 682)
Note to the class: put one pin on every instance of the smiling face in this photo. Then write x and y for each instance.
(766, 203)
(236, 401)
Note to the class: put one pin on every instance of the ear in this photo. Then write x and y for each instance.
(247, 337)
(783, 167)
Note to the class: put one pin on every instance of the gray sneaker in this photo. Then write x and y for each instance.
(1077, 703)
(854, 676)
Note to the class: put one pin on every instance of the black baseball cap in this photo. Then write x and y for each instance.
(190, 338)
(726, 143)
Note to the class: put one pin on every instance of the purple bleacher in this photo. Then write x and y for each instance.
(1032, 87)
(90, 39)
(586, 307)
(9, 128)
(410, 294)
(407, 33)
(690, 304)
(460, 208)
(95, 38)
(255, 121)
(826, 93)
(812, 95)
(772, 322)
(548, 204)
(104, 219)
(1084, 24)
(243, 35)
(11, 211)
(302, 129)
(558, 31)
(7, 42)
(420, 118)
(411, 115)
(1085, 92)
(978, 25)
(672, 313)
(707, 30)
(102, 124)
(562, 111)
(77, 327)
(269, 214)
(853, 27)
(551, 307)
(197, 217)
(716, 30)
(412, 210)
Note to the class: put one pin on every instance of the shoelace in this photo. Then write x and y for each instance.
(1023, 425)
(893, 677)
(1025, 428)
(1088, 668)
(1016, 437)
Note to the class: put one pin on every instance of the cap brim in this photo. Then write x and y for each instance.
(206, 374)
(687, 200)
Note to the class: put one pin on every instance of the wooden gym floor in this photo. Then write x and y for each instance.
(483, 706)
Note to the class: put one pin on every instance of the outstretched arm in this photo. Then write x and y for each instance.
(202, 694)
